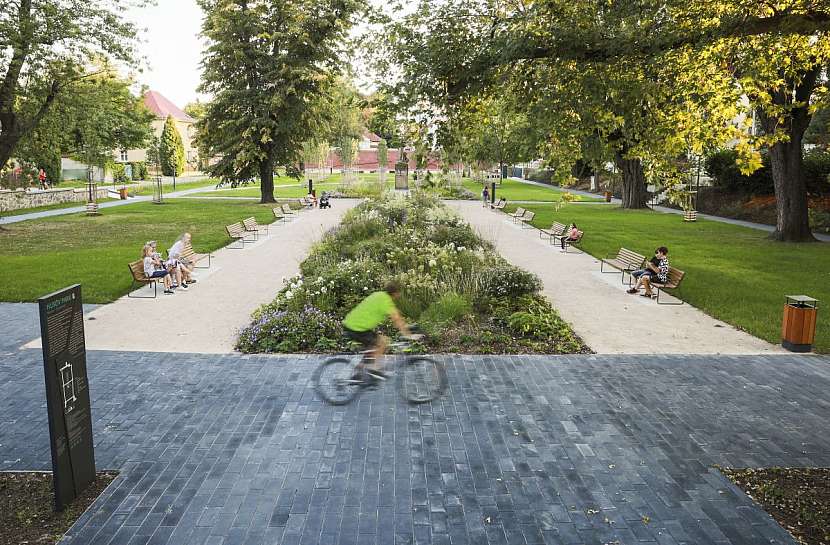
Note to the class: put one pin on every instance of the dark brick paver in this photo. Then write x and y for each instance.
(236, 450)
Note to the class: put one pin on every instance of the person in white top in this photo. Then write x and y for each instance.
(154, 269)
(171, 265)
(185, 266)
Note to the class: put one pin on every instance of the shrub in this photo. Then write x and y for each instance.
(505, 280)
(139, 170)
(460, 235)
(816, 170)
(543, 176)
(449, 308)
(723, 168)
(291, 331)
(119, 173)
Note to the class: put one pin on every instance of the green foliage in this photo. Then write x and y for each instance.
(291, 331)
(816, 170)
(49, 48)
(448, 309)
(119, 173)
(139, 170)
(383, 154)
(509, 281)
(722, 166)
(270, 68)
(171, 149)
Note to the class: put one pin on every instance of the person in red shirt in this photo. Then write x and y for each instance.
(41, 176)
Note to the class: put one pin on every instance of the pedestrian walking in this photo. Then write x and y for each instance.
(485, 196)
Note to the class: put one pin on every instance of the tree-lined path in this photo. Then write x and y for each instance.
(609, 320)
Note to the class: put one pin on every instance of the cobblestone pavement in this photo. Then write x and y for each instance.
(19, 324)
(234, 449)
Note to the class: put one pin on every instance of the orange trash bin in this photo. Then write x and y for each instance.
(798, 329)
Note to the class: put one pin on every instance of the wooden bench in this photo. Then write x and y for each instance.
(279, 215)
(287, 210)
(252, 226)
(190, 255)
(556, 229)
(624, 261)
(527, 218)
(568, 242)
(673, 280)
(141, 279)
(518, 213)
(306, 202)
(237, 232)
(499, 205)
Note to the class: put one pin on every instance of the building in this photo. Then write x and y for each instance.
(368, 141)
(162, 108)
(159, 105)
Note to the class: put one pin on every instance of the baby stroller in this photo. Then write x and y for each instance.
(324, 201)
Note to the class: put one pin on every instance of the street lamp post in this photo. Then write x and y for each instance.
(92, 190)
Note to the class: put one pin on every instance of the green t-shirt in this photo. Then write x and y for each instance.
(370, 313)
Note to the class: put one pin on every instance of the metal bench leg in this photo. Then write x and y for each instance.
(237, 239)
(197, 266)
(154, 283)
(665, 303)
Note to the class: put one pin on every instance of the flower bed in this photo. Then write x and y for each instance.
(464, 296)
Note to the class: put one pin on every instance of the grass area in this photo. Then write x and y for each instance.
(733, 273)
(281, 192)
(41, 256)
(513, 190)
(180, 186)
(58, 206)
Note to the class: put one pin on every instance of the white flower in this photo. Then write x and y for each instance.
(323, 289)
(288, 294)
(320, 279)
(365, 288)
(432, 263)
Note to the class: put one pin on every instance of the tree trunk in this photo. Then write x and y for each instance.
(634, 194)
(792, 222)
(8, 141)
(266, 181)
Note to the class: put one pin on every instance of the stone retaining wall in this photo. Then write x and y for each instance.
(19, 199)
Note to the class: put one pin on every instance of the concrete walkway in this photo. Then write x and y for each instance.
(609, 320)
(207, 317)
(667, 210)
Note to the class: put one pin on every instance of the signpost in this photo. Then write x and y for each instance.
(67, 393)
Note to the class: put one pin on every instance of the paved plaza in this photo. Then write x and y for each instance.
(236, 449)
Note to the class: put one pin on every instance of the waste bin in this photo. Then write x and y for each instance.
(123, 193)
(798, 330)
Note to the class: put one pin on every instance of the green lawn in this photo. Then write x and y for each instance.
(57, 206)
(41, 256)
(180, 186)
(280, 192)
(513, 190)
(733, 273)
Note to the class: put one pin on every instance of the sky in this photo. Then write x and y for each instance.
(172, 48)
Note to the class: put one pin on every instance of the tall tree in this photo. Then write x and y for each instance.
(46, 48)
(171, 149)
(268, 65)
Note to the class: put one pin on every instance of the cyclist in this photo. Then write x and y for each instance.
(361, 323)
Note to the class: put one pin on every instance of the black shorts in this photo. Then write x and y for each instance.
(366, 338)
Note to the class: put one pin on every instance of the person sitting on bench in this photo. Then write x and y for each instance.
(571, 235)
(153, 268)
(657, 270)
(175, 254)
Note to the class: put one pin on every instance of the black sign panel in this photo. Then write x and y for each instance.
(67, 393)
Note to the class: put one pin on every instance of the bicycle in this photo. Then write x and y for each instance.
(340, 379)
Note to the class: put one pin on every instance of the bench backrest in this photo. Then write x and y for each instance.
(236, 230)
(250, 224)
(286, 209)
(137, 270)
(187, 251)
(519, 212)
(557, 228)
(528, 215)
(578, 236)
(277, 212)
(632, 258)
(675, 276)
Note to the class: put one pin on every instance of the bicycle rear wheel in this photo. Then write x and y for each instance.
(334, 381)
(421, 379)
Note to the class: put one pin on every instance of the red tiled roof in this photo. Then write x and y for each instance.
(370, 136)
(368, 160)
(162, 107)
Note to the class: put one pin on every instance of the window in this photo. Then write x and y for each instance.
(124, 155)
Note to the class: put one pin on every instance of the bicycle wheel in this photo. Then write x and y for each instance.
(421, 379)
(333, 381)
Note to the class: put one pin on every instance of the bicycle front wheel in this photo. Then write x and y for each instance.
(421, 379)
(335, 382)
